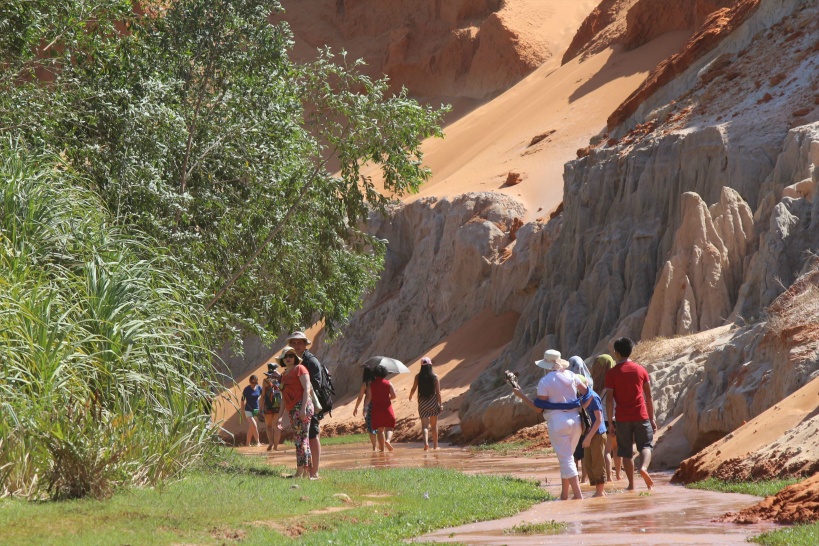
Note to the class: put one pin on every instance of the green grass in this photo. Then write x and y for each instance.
(544, 528)
(345, 439)
(764, 488)
(245, 498)
(521, 449)
(799, 535)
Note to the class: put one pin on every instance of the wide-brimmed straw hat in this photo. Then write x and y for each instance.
(299, 335)
(287, 350)
(551, 360)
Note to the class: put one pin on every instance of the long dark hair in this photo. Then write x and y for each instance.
(426, 381)
(368, 376)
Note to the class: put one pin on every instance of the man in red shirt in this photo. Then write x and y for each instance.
(627, 385)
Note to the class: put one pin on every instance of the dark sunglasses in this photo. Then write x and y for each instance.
(289, 355)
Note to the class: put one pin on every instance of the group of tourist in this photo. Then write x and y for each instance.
(620, 415)
(595, 416)
(291, 390)
(377, 394)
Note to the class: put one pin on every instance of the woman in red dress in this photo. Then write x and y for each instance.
(381, 393)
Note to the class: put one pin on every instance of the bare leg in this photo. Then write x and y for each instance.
(373, 438)
(315, 456)
(608, 466)
(270, 436)
(425, 429)
(645, 460)
(629, 466)
(599, 490)
(564, 488)
(575, 483)
(380, 433)
(252, 431)
(388, 441)
(277, 432)
(433, 423)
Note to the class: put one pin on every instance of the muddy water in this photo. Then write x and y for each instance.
(670, 514)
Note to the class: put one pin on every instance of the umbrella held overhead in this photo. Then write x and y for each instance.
(391, 364)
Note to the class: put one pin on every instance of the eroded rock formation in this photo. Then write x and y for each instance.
(447, 261)
(698, 285)
(635, 220)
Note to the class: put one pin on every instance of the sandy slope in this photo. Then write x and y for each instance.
(571, 103)
(764, 444)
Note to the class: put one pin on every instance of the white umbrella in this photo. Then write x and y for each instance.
(392, 365)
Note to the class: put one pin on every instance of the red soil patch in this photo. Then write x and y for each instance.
(538, 435)
(798, 503)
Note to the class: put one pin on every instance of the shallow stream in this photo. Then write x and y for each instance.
(669, 514)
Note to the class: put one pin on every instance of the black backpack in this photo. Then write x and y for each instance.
(324, 387)
(325, 392)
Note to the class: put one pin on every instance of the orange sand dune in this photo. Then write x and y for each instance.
(766, 429)
(458, 360)
(571, 103)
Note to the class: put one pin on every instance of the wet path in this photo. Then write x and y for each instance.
(670, 514)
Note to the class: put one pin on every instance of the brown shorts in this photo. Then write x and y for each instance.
(594, 460)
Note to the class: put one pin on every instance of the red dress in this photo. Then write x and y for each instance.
(382, 413)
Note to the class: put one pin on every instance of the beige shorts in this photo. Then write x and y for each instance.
(594, 460)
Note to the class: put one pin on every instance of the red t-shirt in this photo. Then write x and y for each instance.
(292, 390)
(627, 380)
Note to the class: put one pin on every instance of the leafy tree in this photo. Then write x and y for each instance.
(194, 126)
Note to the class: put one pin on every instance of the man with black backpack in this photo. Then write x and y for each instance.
(322, 386)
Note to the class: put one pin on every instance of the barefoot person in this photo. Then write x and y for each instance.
(560, 385)
(383, 416)
(429, 401)
(363, 393)
(603, 364)
(299, 342)
(272, 406)
(297, 402)
(628, 385)
(594, 446)
(250, 398)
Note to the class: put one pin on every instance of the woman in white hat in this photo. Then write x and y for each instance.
(561, 386)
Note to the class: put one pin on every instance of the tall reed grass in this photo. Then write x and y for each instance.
(105, 375)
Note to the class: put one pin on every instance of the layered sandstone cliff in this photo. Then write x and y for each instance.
(657, 236)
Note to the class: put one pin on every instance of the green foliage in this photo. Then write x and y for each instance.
(194, 126)
(104, 375)
(799, 535)
(345, 439)
(243, 497)
(543, 528)
(761, 488)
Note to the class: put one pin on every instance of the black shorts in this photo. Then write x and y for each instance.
(633, 432)
(314, 428)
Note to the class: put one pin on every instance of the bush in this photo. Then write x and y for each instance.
(105, 379)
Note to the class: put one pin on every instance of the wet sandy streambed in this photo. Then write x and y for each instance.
(670, 514)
